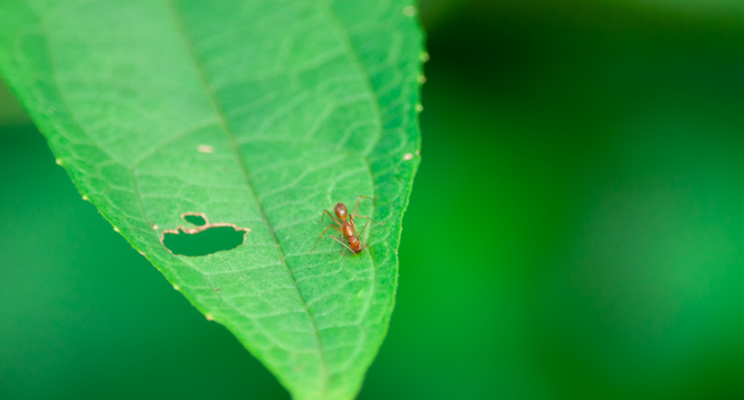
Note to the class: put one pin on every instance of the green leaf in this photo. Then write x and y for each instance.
(258, 114)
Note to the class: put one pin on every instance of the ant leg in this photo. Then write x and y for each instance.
(357, 204)
(342, 244)
(367, 218)
(361, 233)
(354, 214)
(343, 247)
(321, 236)
(330, 215)
(361, 236)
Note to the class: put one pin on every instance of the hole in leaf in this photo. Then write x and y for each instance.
(206, 239)
(197, 220)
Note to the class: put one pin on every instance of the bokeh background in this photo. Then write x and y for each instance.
(576, 229)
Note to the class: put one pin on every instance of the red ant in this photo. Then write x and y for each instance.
(346, 228)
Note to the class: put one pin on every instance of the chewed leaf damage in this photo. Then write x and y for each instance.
(205, 239)
(195, 219)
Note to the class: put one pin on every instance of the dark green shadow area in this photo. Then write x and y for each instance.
(601, 148)
(208, 241)
(84, 316)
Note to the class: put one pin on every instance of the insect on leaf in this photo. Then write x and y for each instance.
(176, 117)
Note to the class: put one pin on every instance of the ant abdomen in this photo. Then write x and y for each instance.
(341, 211)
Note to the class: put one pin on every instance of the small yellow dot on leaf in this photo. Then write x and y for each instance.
(205, 148)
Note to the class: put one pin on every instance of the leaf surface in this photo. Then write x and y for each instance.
(258, 115)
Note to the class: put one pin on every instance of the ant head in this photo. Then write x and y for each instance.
(341, 211)
(347, 229)
(355, 244)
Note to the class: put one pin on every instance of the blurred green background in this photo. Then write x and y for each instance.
(576, 229)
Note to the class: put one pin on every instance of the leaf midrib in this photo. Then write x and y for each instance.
(216, 105)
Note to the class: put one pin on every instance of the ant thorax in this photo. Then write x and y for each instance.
(347, 229)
